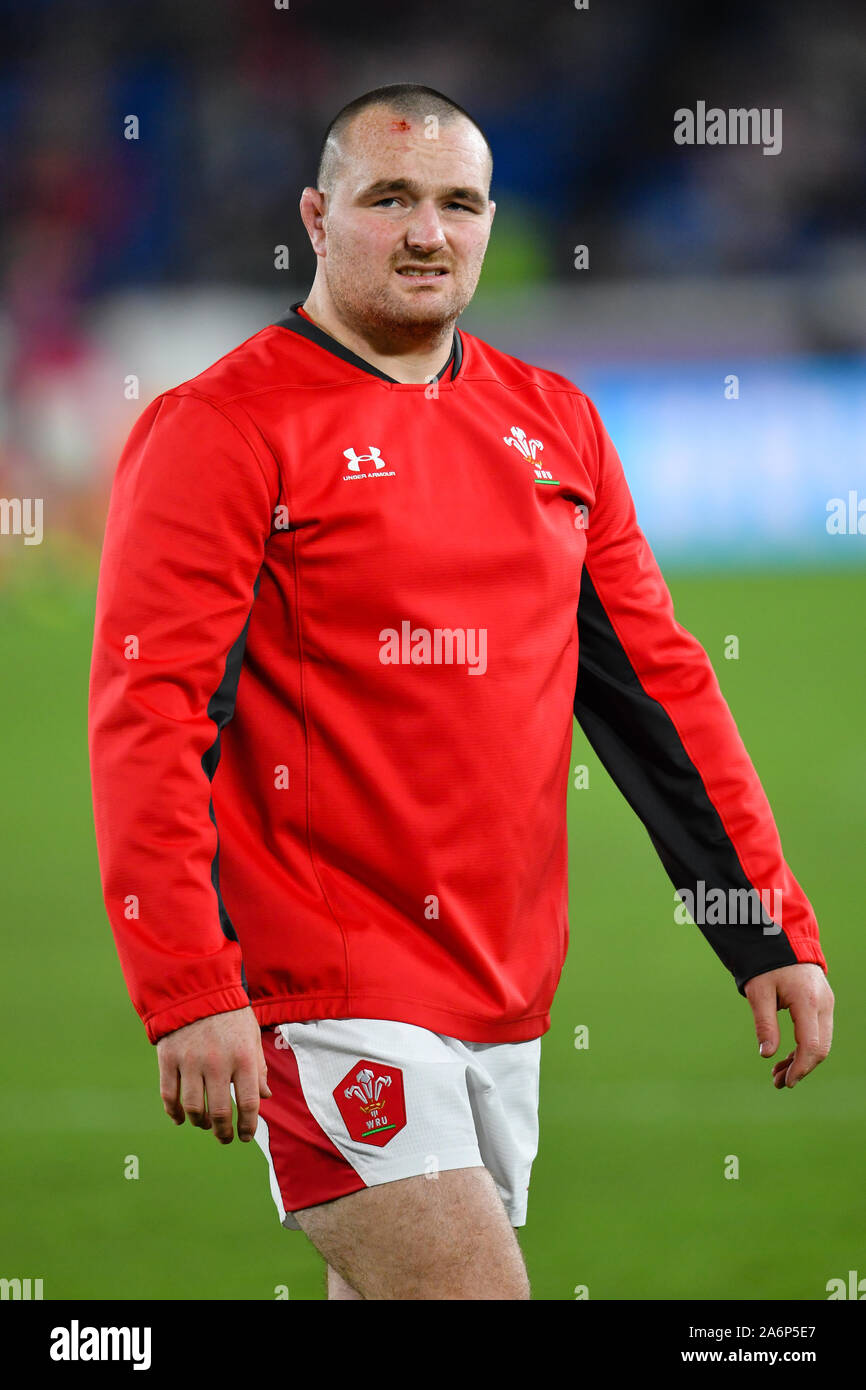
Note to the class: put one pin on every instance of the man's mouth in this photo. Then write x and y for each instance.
(425, 272)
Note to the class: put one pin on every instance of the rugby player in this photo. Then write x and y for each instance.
(358, 578)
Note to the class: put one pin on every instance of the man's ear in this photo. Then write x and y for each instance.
(313, 206)
(492, 206)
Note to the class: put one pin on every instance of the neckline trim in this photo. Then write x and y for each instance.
(298, 323)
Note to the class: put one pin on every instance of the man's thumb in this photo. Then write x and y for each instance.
(763, 1001)
(264, 1088)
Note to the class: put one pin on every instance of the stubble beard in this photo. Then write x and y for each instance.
(377, 313)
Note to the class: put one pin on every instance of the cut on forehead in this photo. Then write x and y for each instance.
(378, 136)
(395, 109)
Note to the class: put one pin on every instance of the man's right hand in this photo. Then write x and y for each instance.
(197, 1063)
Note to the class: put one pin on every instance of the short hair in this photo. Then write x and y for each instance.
(406, 99)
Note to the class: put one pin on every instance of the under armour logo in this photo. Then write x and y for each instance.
(355, 460)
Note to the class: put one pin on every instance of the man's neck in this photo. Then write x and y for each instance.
(405, 362)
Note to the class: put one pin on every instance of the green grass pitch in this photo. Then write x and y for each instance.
(628, 1195)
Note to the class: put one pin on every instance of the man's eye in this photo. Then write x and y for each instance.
(392, 198)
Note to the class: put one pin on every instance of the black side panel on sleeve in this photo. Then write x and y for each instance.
(640, 748)
(221, 707)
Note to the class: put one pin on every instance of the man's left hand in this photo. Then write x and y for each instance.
(803, 989)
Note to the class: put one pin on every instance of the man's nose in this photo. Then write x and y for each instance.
(425, 228)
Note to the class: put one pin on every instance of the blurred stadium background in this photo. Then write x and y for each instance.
(141, 261)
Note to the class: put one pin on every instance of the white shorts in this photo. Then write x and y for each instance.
(357, 1102)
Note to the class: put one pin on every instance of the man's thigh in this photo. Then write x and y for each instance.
(425, 1237)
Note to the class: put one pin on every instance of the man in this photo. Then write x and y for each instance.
(331, 731)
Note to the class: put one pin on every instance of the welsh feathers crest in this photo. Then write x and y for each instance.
(369, 1090)
(371, 1100)
(528, 447)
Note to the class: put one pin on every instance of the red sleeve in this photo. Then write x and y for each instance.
(649, 702)
(190, 513)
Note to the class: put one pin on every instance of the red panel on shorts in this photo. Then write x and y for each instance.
(309, 1168)
(371, 1101)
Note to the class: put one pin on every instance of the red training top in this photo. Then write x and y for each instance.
(330, 725)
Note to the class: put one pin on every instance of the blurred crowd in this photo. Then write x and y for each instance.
(231, 99)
